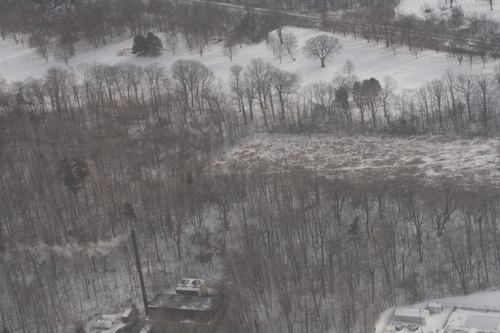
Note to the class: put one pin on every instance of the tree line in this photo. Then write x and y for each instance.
(73, 27)
(64, 32)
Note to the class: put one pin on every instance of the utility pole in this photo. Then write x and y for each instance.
(139, 270)
(129, 212)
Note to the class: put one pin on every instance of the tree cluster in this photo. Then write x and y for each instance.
(63, 32)
(60, 33)
(150, 45)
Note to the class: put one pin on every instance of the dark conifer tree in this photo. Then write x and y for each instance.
(150, 45)
(153, 44)
(139, 45)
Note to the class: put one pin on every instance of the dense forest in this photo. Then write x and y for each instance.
(87, 152)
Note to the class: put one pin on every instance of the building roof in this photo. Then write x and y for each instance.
(186, 302)
(185, 308)
(435, 305)
(411, 312)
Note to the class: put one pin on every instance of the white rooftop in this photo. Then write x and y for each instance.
(411, 312)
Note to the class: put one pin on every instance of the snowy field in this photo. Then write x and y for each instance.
(369, 59)
(469, 160)
(481, 7)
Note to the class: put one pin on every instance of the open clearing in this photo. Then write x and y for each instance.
(369, 59)
(469, 161)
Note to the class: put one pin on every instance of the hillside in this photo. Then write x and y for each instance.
(312, 206)
(369, 59)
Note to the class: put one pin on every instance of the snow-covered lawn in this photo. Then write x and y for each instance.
(369, 59)
(438, 6)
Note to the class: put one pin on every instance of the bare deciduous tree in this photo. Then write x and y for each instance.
(197, 42)
(63, 52)
(41, 43)
(290, 43)
(229, 50)
(322, 47)
(171, 41)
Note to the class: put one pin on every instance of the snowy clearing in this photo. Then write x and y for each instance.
(370, 60)
(481, 7)
(470, 161)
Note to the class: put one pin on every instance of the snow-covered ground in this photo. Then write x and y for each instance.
(369, 59)
(438, 6)
(478, 312)
(470, 161)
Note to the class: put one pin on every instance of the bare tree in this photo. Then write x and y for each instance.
(466, 86)
(159, 10)
(441, 202)
(274, 43)
(229, 49)
(279, 33)
(171, 41)
(388, 89)
(63, 52)
(458, 48)
(197, 42)
(290, 43)
(415, 51)
(192, 79)
(321, 47)
(280, 52)
(237, 87)
(41, 43)
(394, 45)
(484, 84)
(258, 73)
(285, 84)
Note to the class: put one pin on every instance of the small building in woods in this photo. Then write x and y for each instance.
(410, 315)
(435, 307)
(190, 310)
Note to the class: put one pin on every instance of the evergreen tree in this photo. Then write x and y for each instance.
(80, 169)
(153, 44)
(150, 45)
(74, 173)
(139, 46)
(128, 211)
(69, 178)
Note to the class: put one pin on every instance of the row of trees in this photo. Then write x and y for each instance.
(461, 104)
(98, 23)
(74, 26)
(323, 6)
(464, 36)
(265, 96)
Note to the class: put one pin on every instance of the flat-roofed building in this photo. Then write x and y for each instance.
(411, 315)
(185, 313)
